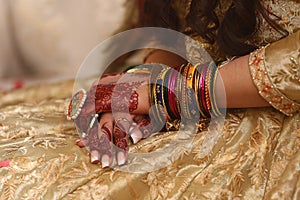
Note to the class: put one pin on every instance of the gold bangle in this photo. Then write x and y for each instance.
(196, 89)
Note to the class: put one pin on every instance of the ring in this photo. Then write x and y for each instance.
(93, 120)
(76, 104)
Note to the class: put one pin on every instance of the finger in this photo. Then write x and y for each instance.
(105, 139)
(82, 123)
(121, 128)
(141, 128)
(103, 94)
(94, 144)
(83, 142)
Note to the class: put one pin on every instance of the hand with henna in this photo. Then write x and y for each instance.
(112, 115)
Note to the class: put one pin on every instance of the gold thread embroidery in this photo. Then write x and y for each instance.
(265, 86)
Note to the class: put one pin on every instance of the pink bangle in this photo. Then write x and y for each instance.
(171, 93)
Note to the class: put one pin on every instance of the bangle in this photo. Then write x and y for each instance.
(202, 90)
(196, 86)
(213, 76)
(184, 92)
(156, 70)
(179, 88)
(173, 99)
(191, 98)
(160, 93)
(168, 102)
(206, 88)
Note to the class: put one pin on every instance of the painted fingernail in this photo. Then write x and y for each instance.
(105, 161)
(121, 158)
(81, 143)
(94, 157)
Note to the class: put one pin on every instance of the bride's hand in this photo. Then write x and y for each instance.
(109, 138)
(120, 105)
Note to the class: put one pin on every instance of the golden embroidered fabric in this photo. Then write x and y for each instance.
(254, 155)
(261, 70)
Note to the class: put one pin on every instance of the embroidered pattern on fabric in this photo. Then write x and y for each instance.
(265, 87)
(289, 19)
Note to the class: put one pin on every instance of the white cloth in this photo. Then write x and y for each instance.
(49, 39)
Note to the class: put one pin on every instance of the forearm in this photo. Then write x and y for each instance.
(241, 92)
(234, 77)
(165, 57)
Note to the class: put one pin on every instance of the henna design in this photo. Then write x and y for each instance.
(122, 95)
(106, 131)
(141, 128)
(146, 127)
(82, 123)
(105, 147)
(94, 142)
(105, 143)
(120, 138)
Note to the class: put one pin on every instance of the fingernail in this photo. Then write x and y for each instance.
(94, 157)
(105, 161)
(121, 158)
(135, 137)
(80, 143)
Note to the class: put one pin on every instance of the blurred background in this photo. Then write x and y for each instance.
(47, 40)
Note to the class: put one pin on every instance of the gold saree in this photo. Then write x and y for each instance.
(254, 155)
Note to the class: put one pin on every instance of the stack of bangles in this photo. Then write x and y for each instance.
(184, 93)
(178, 95)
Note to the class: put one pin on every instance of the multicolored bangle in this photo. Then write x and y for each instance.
(185, 92)
(157, 115)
